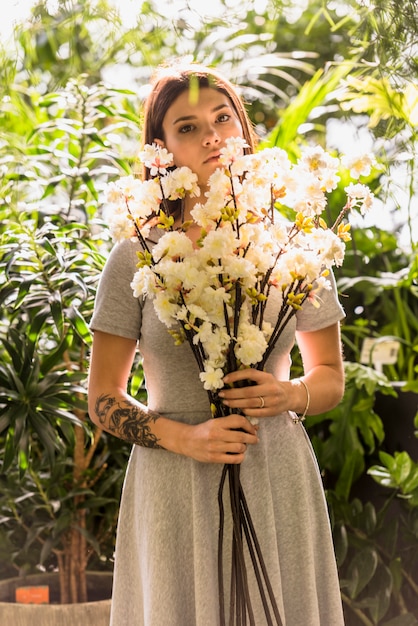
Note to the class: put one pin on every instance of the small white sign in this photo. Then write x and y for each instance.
(379, 352)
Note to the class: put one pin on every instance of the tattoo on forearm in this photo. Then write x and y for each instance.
(127, 421)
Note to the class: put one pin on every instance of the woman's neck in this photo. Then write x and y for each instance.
(189, 203)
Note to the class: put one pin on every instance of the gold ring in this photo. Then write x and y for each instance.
(262, 403)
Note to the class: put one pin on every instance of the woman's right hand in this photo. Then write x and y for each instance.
(219, 440)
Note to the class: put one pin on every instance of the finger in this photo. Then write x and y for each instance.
(236, 423)
(245, 374)
(233, 459)
(236, 453)
(258, 400)
(237, 448)
(237, 438)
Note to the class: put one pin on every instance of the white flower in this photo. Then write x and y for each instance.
(280, 233)
(212, 377)
(155, 158)
(247, 250)
(180, 277)
(178, 182)
(121, 227)
(165, 308)
(239, 268)
(197, 312)
(193, 278)
(219, 184)
(306, 264)
(203, 332)
(144, 282)
(360, 196)
(213, 299)
(234, 148)
(219, 243)
(254, 198)
(328, 246)
(240, 165)
(251, 344)
(260, 248)
(322, 282)
(309, 196)
(174, 245)
(114, 193)
(315, 160)
(145, 200)
(125, 187)
(215, 341)
(314, 297)
(206, 215)
(359, 164)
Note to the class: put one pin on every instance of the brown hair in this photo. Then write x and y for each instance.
(172, 81)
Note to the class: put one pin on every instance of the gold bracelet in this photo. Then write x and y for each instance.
(300, 418)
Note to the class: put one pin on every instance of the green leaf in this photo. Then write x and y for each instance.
(380, 592)
(361, 570)
(340, 543)
(52, 185)
(89, 182)
(352, 468)
(137, 381)
(402, 620)
(312, 94)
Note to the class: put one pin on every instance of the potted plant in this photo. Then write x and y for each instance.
(374, 531)
(61, 477)
(382, 328)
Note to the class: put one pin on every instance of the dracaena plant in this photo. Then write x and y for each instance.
(60, 501)
(63, 501)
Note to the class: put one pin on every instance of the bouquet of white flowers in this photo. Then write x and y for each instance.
(214, 294)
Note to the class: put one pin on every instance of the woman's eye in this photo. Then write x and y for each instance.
(224, 117)
(186, 128)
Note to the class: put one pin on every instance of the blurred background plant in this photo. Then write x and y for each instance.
(73, 79)
(58, 503)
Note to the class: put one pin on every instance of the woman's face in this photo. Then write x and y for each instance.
(196, 131)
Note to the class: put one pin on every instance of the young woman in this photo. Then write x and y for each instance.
(167, 539)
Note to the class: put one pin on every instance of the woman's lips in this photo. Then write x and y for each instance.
(213, 158)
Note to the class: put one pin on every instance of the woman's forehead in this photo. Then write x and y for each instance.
(206, 99)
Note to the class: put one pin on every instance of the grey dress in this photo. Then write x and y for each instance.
(167, 536)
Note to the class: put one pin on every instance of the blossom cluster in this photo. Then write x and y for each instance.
(215, 294)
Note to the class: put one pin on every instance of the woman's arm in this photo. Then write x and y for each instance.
(323, 376)
(114, 410)
(321, 352)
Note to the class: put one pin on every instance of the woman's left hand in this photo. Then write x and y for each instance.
(255, 393)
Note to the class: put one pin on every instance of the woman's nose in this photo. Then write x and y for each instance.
(211, 137)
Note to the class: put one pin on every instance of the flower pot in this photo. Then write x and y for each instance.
(397, 415)
(96, 611)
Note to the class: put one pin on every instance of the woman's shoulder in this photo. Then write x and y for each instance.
(124, 253)
(133, 243)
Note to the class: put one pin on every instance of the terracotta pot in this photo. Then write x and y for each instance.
(96, 612)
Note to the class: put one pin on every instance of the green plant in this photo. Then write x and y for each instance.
(375, 534)
(353, 425)
(389, 311)
(377, 545)
(48, 444)
(376, 550)
(383, 283)
(56, 146)
(60, 501)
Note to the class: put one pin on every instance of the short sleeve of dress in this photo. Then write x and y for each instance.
(116, 310)
(330, 311)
